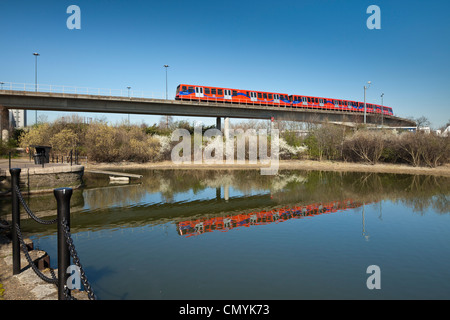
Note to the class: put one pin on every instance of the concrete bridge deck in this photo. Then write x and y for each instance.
(69, 102)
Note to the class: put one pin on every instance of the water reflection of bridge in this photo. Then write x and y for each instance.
(225, 223)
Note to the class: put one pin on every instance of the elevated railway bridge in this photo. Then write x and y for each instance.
(110, 103)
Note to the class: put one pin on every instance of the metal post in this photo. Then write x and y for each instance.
(365, 88)
(166, 66)
(62, 196)
(35, 79)
(364, 104)
(15, 179)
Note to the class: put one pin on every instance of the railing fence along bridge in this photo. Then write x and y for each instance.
(66, 248)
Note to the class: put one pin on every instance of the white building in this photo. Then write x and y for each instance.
(446, 132)
(17, 118)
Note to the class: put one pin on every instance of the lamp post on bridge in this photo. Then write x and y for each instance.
(35, 54)
(365, 88)
(166, 66)
(167, 117)
(382, 109)
(128, 97)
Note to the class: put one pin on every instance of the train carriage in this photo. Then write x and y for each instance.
(228, 95)
(206, 93)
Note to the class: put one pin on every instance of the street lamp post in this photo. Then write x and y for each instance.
(128, 97)
(35, 54)
(365, 88)
(166, 66)
(382, 109)
(167, 117)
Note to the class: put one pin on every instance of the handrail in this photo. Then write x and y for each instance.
(51, 88)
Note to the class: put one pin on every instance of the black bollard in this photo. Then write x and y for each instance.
(15, 179)
(62, 196)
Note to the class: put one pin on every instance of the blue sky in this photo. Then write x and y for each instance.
(313, 47)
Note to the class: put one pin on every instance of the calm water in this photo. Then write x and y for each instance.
(240, 235)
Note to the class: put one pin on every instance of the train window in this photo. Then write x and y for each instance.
(270, 96)
(183, 88)
(207, 91)
(316, 100)
(320, 100)
(191, 89)
(234, 93)
(259, 95)
(265, 95)
(220, 91)
(213, 90)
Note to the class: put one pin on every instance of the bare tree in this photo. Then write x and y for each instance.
(422, 122)
(366, 145)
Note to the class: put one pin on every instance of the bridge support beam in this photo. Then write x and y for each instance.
(219, 123)
(4, 123)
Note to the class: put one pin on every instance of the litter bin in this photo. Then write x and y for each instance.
(42, 154)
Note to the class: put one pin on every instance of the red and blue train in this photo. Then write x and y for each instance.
(206, 93)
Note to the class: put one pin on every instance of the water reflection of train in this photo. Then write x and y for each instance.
(198, 226)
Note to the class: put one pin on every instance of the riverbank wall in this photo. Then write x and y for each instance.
(38, 179)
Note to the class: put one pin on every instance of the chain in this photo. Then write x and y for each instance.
(4, 224)
(5, 192)
(76, 260)
(30, 213)
(70, 244)
(30, 261)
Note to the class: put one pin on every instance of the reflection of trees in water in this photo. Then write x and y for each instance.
(414, 191)
(120, 195)
(289, 186)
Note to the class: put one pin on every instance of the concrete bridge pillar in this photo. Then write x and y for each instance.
(4, 123)
(219, 123)
(226, 127)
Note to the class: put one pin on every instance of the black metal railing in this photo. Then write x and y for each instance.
(66, 248)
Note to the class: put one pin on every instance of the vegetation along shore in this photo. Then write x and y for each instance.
(320, 147)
